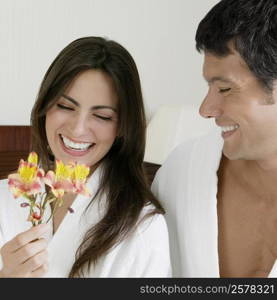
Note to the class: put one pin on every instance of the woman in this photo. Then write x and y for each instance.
(90, 110)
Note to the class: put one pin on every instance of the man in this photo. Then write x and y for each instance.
(220, 191)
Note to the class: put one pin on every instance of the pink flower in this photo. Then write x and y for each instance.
(79, 179)
(28, 179)
(60, 180)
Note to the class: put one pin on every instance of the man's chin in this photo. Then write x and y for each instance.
(232, 155)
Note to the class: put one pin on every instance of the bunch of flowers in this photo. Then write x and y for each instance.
(30, 180)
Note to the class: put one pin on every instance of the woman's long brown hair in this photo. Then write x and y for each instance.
(123, 179)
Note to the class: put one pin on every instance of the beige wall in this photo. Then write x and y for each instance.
(158, 33)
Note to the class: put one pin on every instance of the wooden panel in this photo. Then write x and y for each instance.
(15, 138)
(9, 161)
(14, 144)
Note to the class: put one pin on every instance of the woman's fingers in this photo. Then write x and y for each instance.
(26, 237)
(29, 250)
(35, 262)
(40, 271)
(26, 255)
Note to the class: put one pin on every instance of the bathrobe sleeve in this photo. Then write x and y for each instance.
(12, 216)
(186, 186)
(1, 244)
(4, 196)
(153, 258)
(144, 253)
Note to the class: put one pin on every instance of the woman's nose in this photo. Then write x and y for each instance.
(79, 125)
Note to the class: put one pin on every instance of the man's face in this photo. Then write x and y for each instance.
(245, 111)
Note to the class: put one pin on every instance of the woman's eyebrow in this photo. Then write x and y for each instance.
(71, 99)
(103, 107)
(95, 107)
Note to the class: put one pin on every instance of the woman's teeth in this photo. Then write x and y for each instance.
(75, 146)
(229, 128)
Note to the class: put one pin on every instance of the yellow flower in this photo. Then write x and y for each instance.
(68, 178)
(33, 158)
(60, 180)
(28, 179)
(63, 171)
(79, 177)
(80, 172)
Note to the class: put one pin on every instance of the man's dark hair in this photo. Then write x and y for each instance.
(251, 26)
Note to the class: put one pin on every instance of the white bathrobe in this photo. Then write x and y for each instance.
(186, 185)
(145, 253)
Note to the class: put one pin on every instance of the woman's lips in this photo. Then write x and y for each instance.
(73, 152)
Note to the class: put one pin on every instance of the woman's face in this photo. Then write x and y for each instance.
(82, 124)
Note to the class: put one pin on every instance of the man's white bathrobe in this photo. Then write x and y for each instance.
(145, 253)
(186, 185)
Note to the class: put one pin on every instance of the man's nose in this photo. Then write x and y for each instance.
(211, 106)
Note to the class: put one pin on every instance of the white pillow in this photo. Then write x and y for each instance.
(171, 125)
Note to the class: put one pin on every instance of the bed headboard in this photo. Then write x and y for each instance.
(15, 144)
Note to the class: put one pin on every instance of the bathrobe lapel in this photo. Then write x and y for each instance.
(202, 206)
(66, 240)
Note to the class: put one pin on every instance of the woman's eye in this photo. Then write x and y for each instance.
(224, 90)
(103, 118)
(64, 107)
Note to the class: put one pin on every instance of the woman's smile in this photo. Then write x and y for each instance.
(73, 148)
(82, 125)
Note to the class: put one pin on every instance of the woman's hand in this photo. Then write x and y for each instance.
(26, 254)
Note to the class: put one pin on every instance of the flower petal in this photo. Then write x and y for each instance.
(33, 158)
(49, 178)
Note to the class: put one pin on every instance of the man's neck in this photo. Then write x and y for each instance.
(259, 176)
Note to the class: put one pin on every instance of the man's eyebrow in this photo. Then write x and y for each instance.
(92, 108)
(219, 78)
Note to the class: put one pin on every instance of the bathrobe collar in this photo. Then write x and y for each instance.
(202, 206)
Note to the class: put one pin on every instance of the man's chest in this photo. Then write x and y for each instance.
(247, 229)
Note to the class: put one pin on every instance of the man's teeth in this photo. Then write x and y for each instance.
(76, 146)
(229, 128)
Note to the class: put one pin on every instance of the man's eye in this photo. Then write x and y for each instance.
(103, 118)
(224, 90)
(64, 107)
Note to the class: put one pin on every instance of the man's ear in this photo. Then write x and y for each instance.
(274, 91)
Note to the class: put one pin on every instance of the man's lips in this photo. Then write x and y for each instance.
(228, 130)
